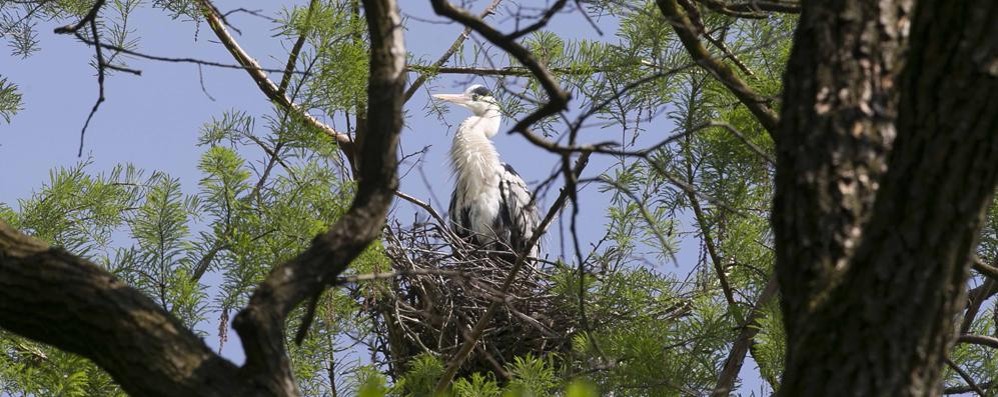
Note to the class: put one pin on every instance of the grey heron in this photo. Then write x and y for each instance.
(491, 204)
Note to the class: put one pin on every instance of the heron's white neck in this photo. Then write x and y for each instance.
(489, 121)
(474, 157)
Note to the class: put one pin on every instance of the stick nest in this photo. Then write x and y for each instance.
(441, 288)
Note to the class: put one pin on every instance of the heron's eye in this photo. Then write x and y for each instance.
(474, 97)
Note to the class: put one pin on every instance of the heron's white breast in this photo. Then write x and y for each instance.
(477, 170)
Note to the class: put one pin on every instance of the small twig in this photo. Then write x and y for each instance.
(100, 83)
(201, 80)
(545, 18)
(400, 273)
(123, 50)
(968, 388)
(89, 17)
(582, 10)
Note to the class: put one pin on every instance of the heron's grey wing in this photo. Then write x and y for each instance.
(517, 212)
(459, 213)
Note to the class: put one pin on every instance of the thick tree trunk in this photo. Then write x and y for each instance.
(873, 277)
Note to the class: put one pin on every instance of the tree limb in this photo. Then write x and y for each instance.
(752, 9)
(557, 98)
(289, 67)
(966, 378)
(261, 324)
(985, 269)
(982, 340)
(733, 364)
(51, 296)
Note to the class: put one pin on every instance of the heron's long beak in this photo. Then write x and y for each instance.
(459, 99)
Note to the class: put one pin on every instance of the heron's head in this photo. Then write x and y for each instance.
(476, 98)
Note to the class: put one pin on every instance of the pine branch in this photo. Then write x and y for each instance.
(268, 87)
(687, 33)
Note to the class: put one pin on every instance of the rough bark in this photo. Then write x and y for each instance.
(836, 127)
(872, 278)
(54, 297)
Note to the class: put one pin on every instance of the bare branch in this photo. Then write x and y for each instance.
(966, 377)
(969, 388)
(100, 83)
(90, 17)
(557, 98)
(752, 9)
(540, 22)
(982, 340)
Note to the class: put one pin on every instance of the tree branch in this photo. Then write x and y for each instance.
(91, 16)
(456, 45)
(688, 34)
(966, 378)
(985, 269)
(289, 67)
(982, 340)
(753, 9)
(261, 324)
(51, 296)
(733, 364)
(557, 98)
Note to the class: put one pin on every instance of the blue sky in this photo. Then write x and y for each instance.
(153, 121)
